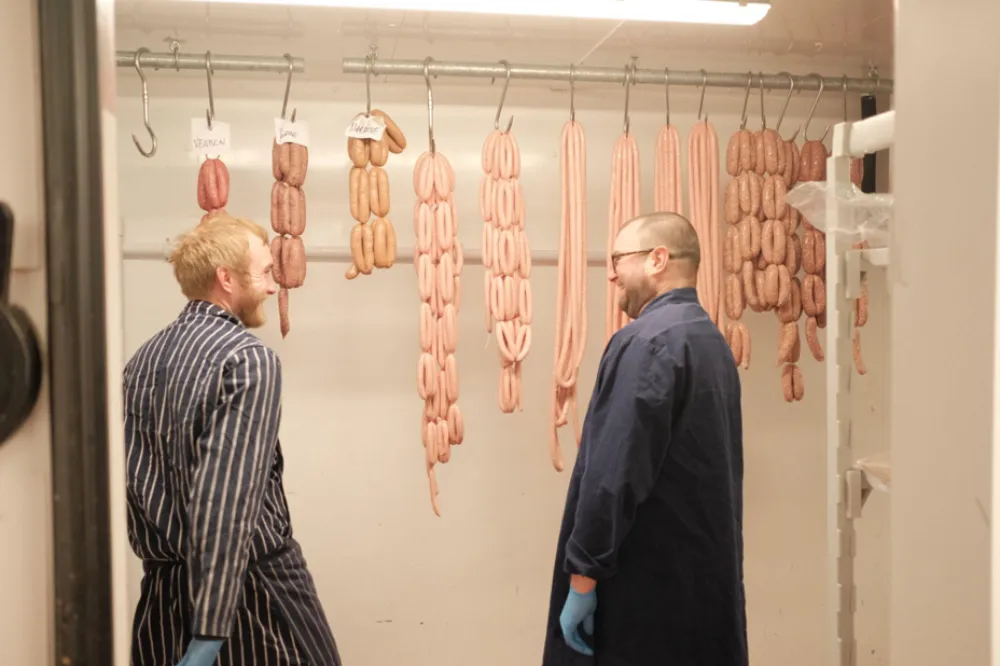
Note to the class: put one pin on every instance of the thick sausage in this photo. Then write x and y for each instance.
(276, 259)
(733, 201)
(771, 285)
(768, 198)
(296, 211)
(359, 191)
(767, 241)
(787, 389)
(392, 129)
(281, 208)
(859, 362)
(380, 241)
(798, 385)
(786, 341)
(746, 150)
(379, 185)
(293, 262)
(283, 323)
(812, 339)
(733, 155)
(743, 187)
(378, 151)
(780, 242)
(367, 249)
(861, 304)
(357, 150)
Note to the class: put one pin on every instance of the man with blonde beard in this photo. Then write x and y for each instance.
(224, 581)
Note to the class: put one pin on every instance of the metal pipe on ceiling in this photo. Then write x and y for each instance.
(489, 70)
(233, 63)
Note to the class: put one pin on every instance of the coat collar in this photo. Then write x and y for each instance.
(682, 295)
(204, 308)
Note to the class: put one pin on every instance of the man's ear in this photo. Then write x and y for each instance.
(225, 278)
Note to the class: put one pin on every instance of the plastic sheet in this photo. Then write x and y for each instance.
(877, 469)
(863, 217)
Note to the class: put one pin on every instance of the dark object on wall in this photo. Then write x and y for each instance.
(868, 109)
(20, 358)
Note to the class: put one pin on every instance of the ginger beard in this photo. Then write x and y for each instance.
(249, 308)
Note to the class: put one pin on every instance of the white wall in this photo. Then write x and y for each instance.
(942, 374)
(25, 474)
(399, 584)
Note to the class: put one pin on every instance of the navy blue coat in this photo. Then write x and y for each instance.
(655, 505)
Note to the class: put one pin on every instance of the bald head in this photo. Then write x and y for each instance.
(668, 230)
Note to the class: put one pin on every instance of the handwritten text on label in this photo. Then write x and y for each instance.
(210, 142)
(285, 131)
(365, 127)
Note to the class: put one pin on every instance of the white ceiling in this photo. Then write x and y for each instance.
(831, 37)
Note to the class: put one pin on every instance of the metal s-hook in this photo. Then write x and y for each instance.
(746, 99)
(763, 116)
(368, 84)
(288, 87)
(503, 96)
(873, 74)
(791, 89)
(210, 112)
(666, 85)
(805, 129)
(701, 102)
(843, 85)
(145, 108)
(572, 93)
(430, 103)
(629, 82)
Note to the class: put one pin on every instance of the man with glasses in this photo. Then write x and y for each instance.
(649, 566)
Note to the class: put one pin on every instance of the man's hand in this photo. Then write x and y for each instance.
(201, 653)
(579, 609)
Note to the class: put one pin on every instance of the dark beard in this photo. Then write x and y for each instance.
(632, 301)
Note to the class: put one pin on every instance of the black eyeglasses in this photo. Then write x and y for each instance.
(619, 255)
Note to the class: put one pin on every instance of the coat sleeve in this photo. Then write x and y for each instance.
(235, 452)
(629, 434)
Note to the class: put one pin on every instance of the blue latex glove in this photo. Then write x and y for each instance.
(578, 609)
(201, 653)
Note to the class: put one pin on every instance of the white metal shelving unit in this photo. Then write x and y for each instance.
(848, 483)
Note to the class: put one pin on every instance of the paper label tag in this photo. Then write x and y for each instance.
(285, 131)
(214, 142)
(365, 127)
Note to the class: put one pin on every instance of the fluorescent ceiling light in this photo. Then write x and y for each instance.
(722, 12)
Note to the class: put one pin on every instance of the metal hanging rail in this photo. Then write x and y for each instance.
(489, 70)
(233, 63)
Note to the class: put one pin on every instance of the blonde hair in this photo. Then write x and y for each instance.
(218, 242)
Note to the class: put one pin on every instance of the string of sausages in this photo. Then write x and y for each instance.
(571, 288)
(703, 199)
(373, 244)
(812, 167)
(289, 162)
(742, 244)
(624, 205)
(438, 260)
(668, 194)
(506, 261)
